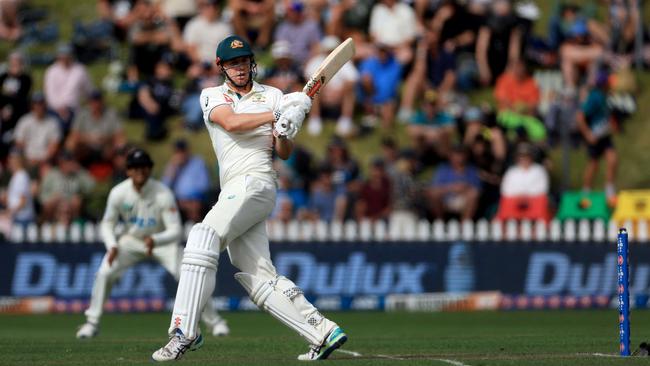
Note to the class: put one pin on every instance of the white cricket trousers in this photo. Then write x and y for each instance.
(239, 218)
(132, 250)
(239, 221)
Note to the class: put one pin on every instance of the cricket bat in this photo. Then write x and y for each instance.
(330, 66)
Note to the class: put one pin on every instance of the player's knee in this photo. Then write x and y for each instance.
(202, 248)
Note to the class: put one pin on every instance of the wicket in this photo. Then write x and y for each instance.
(623, 292)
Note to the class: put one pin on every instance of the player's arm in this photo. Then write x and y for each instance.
(283, 147)
(171, 220)
(230, 121)
(107, 226)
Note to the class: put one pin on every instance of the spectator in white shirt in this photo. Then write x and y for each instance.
(204, 31)
(394, 24)
(526, 178)
(337, 96)
(66, 83)
(37, 133)
(19, 202)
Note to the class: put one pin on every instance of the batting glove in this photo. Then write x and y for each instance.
(289, 122)
(299, 99)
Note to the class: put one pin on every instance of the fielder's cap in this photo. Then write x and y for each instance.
(138, 158)
(232, 47)
(38, 97)
(281, 49)
(329, 43)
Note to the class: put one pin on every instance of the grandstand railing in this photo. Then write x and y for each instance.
(379, 231)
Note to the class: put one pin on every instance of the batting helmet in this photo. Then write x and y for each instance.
(232, 47)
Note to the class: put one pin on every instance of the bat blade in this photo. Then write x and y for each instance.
(329, 67)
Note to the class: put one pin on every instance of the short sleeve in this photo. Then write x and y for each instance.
(211, 99)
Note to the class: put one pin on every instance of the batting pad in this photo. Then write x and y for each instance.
(267, 295)
(197, 279)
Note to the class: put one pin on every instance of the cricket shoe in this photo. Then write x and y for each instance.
(87, 330)
(334, 340)
(176, 347)
(220, 328)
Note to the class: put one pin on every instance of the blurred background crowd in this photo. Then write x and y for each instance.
(458, 104)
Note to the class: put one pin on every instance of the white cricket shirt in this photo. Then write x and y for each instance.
(241, 153)
(151, 212)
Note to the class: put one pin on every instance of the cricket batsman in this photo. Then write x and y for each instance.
(152, 230)
(246, 122)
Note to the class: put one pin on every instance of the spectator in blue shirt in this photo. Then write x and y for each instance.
(380, 78)
(594, 123)
(325, 202)
(188, 177)
(455, 187)
(432, 126)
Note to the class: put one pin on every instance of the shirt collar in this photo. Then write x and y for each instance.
(257, 88)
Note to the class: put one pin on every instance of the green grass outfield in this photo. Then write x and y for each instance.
(459, 339)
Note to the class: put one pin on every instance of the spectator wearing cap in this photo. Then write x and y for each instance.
(37, 134)
(150, 38)
(595, 123)
(96, 132)
(64, 189)
(338, 98)
(394, 24)
(376, 193)
(18, 200)
(499, 41)
(303, 34)
(204, 31)
(285, 73)
(432, 125)
(380, 79)
(66, 84)
(153, 98)
(188, 177)
(253, 20)
(455, 187)
(15, 85)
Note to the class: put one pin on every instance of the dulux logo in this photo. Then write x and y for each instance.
(353, 277)
(39, 273)
(552, 273)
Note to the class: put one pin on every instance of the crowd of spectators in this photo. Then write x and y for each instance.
(416, 63)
